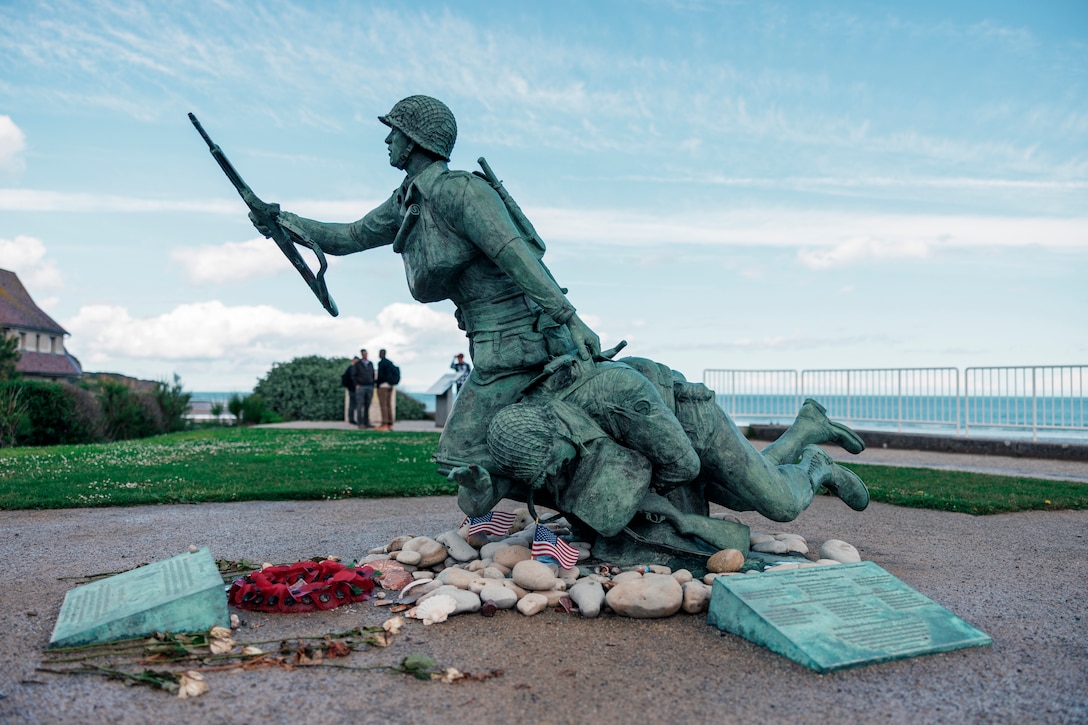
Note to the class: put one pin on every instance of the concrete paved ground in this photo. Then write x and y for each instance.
(1018, 577)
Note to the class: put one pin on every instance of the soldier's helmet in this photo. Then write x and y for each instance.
(425, 120)
(520, 438)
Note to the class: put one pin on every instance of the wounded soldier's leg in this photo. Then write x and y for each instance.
(811, 426)
(739, 477)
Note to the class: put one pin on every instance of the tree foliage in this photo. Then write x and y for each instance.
(408, 408)
(9, 355)
(40, 413)
(51, 413)
(307, 388)
(174, 403)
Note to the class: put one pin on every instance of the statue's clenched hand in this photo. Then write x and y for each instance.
(586, 341)
(471, 476)
(262, 215)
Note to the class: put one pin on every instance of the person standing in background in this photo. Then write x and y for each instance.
(387, 379)
(364, 389)
(348, 381)
(462, 369)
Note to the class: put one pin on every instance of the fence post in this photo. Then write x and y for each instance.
(899, 400)
(1034, 414)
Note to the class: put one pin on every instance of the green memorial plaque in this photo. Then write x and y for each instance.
(831, 617)
(181, 594)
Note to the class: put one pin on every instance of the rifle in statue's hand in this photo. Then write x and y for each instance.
(267, 216)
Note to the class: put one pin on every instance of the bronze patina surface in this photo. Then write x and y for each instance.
(833, 617)
(628, 450)
(180, 594)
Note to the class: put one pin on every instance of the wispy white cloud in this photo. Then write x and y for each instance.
(26, 256)
(40, 200)
(192, 339)
(806, 229)
(796, 341)
(12, 143)
(82, 202)
(818, 183)
(523, 88)
(230, 262)
(853, 251)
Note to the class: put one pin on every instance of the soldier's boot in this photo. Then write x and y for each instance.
(844, 483)
(811, 426)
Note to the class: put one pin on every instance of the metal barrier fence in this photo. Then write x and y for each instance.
(1024, 399)
(1042, 398)
(761, 394)
(912, 397)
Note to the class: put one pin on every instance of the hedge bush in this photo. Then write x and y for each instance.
(308, 388)
(40, 413)
(52, 414)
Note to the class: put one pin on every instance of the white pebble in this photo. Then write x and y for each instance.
(774, 546)
(696, 597)
(839, 551)
(503, 597)
(532, 604)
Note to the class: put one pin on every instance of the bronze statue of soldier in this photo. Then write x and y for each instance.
(462, 238)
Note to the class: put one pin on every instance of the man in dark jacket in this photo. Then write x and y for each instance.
(388, 377)
(364, 389)
(348, 381)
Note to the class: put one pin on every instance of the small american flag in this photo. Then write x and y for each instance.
(546, 543)
(493, 522)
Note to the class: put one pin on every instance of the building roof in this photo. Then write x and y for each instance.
(47, 364)
(17, 309)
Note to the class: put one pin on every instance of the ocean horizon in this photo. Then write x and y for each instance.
(205, 399)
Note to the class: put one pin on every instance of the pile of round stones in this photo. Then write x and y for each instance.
(456, 573)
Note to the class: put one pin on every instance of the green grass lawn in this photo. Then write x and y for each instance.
(223, 464)
(972, 493)
(244, 464)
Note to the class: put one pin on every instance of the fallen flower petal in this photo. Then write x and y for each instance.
(221, 646)
(219, 633)
(393, 625)
(451, 674)
(191, 684)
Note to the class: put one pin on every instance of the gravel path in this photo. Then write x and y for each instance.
(1018, 577)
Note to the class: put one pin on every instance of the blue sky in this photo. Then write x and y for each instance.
(750, 185)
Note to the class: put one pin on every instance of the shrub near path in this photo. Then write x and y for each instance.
(234, 464)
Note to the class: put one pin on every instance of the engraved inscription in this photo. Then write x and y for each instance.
(894, 637)
(148, 598)
(785, 616)
(177, 576)
(902, 599)
(828, 620)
